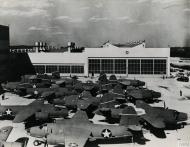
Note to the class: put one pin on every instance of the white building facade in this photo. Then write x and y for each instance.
(136, 61)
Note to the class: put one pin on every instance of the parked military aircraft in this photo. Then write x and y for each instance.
(21, 88)
(85, 101)
(37, 108)
(142, 94)
(130, 82)
(67, 81)
(119, 114)
(161, 118)
(47, 93)
(28, 81)
(10, 86)
(107, 85)
(76, 131)
(4, 134)
(76, 102)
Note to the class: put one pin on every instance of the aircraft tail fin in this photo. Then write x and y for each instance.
(103, 78)
(130, 119)
(4, 132)
(80, 116)
(23, 141)
(128, 116)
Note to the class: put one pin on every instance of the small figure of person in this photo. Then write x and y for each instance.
(180, 93)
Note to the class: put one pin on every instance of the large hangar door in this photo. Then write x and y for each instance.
(108, 66)
(121, 66)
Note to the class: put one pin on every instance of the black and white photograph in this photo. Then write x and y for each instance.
(94, 73)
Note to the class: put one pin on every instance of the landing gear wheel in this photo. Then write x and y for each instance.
(182, 125)
(37, 143)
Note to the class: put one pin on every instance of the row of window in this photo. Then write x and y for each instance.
(111, 66)
(61, 69)
(135, 66)
(107, 66)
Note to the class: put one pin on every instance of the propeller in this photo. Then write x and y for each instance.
(176, 113)
(165, 105)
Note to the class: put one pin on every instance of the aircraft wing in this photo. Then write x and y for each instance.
(155, 122)
(76, 137)
(126, 82)
(4, 132)
(24, 114)
(80, 116)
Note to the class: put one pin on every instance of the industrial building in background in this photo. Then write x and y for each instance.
(131, 60)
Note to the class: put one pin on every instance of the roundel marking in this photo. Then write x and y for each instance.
(73, 145)
(106, 133)
(126, 52)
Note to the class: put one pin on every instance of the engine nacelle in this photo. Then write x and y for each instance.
(55, 139)
(12, 144)
(41, 116)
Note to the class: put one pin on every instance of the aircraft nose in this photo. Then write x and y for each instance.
(141, 83)
(188, 116)
(183, 116)
(156, 94)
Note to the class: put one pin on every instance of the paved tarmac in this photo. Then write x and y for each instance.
(170, 90)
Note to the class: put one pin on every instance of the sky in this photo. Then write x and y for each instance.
(90, 23)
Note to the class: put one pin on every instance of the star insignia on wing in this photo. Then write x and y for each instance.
(106, 133)
(8, 111)
(73, 145)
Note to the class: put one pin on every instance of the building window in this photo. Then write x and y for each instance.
(94, 65)
(120, 66)
(77, 69)
(146, 66)
(107, 65)
(39, 69)
(134, 66)
(51, 68)
(159, 66)
(64, 69)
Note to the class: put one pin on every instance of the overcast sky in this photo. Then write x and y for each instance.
(161, 23)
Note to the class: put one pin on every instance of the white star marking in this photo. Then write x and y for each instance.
(8, 111)
(106, 133)
(73, 145)
(35, 92)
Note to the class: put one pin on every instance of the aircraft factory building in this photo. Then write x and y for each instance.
(131, 60)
